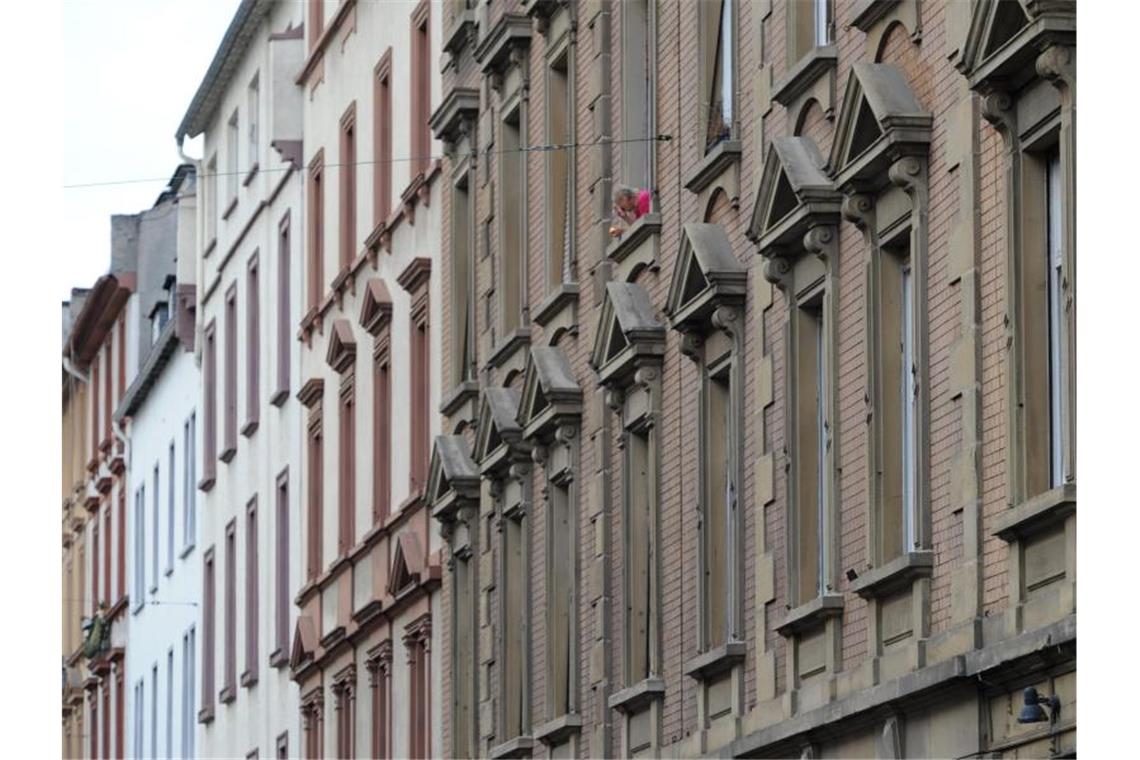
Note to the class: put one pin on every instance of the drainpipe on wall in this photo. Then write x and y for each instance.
(199, 263)
(71, 370)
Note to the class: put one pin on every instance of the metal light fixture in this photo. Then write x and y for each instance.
(1031, 712)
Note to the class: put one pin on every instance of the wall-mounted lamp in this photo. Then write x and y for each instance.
(1031, 712)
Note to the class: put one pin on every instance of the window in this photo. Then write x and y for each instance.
(210, 435)
(153, 711)
(639, 549)
(254, 118)
(158, 320)
(638, 29)
(515, 652)
(316, 468)
(230, 433)
(382, 139)
(154, 533)
(808, 395)
(95, 567)
(170, 510)
(252, 347)
(108, 542)
(108, 403)
(316, 21)
(559, 178)
(348, 186)
(421, 413)
(140, 546)
(1057, 379)
(211, 210)
(188, 675)
(229, 675)
(346, 461)
(122, 536)
(462, 284)
(209, 616)
(380, 684)
(381, 431)
(95, 409)
(560, 607)
(189, 474)
(140, 725)
(421, 88)
(344, 692)
(282, 752)
(232, 134)
(719, 56)
(809, 27)
(252, 603)
(719, 516)
(316, 274)
(463, 658)
(822, 26)
(170, 702)
(512, 181)
(416, 639)
(284, 322)
(281, 613)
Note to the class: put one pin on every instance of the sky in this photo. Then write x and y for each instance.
(130, 69)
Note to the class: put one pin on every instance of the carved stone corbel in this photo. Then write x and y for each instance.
(997, 109)
(823, 242)
(691, 345)
(728, 320)
(859, 209)
(776, 271)
(1058, 64)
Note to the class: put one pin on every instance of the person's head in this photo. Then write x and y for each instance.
(625, 198)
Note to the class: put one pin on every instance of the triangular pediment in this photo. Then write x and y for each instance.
(880, 119)
(1007, 19)
(497, 421)
(407, 562)
(304, 642)
(1005, 38)
(453, 473)
(792, 181)
(342, 346)
(549, 388)
(629, 327)
(376, 308)
(705, 274)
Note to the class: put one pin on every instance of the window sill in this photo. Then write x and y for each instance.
(520, 746)
(228, 453)
(227, 695)
(279, 397)
(250, 175)
(632, 699)
(168, 571)
(206, 715)
(717, 660)
(517, 340)
(719, 159)
(549, 313)
(811, 615)
(558, 730)
(249, 428)
(804, 74)
(279, 658)
(867, 12)
(210, 247)
(229, 209)
(153, 590)
(185, 551)
(468, 389)
(1037, 514)
(632, 238)
(895, 575)
(207, 483)
(248, 679)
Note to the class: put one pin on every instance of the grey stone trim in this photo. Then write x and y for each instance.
(458, 396)
(1011, 66)
(558, 730)
(638, 232)
(1037, 514)
(453, 479)
(632, 699)
(813, 200)
(550, 392)
(499, 435)
(804, 73)
(509, 344)
(717, 660)
(726, 154)
(894, 575)
(706, 247)
(456, 115)
(629, 311)
(867, 12)
(494, 49)
(550, 311)
(520, 746)
(461, 32)
(811, 615)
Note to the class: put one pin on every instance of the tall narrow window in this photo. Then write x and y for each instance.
(381, 432)
(316, 22)
(189, 656)
(95, 566)
(316, 273)
(154, 511)
(170, 702)
(463, 658)
(719, 517)
(252, 603)
(253, 115)
(346, 487)
(211, 210)
(462, 284)
(229, 675)
(1057, 389)
(95, 410)
(281, 611)
(809, 26)
(421, 88)
(170, 510)
(122, 355)
(140, 546)
(210, 434)
(232, 142)
(560, 606)
(382, 139)
(284, 326)
(909, 429)
(252, 347)
(316, 466)
(348, 186)
(638, 29)
(720, 58)
(559, 113)
(190, 474)
(514, 675)
(108, 543)
(153, 711)
(421, 403)
(209, 613)
(809, 455)
(822, 21)
(108, 375)
(511, 213)
(231, 382)
(380, 684)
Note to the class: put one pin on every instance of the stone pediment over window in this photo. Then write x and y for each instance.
(342, 346)
(880, 122)
(550, 392)
(453, 478)
(1005, 38)
(456, 115)
(406, 564)
(498, 429)
(494, 49)
(376, 310)
(794, 196)
(706, 275)
(629, 336)
(305, 643)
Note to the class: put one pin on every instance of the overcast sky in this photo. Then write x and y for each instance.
(131, 68)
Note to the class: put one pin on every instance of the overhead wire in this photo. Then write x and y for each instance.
(544, 148)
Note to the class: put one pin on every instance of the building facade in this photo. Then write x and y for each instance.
(785, 467)
(158, 414)
(250, 228)
(364, 646)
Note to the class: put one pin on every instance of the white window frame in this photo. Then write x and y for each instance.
(1057, 390)
(155, 531)
(254, 121)
(822, 25)
(233, 142)
(140, 546)
(821, 451)
(170, 702)
(170, 512)
(909, 415)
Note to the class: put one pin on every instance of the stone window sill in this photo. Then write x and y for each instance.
(455, 38)
(895, 575)
(804, 74)
(248, 679)
(228, 453)
(1037, 514)
(867, 12)
(634, 236)
(564, 297)
(249, 428)
(520, 746)
(279, 658)
(811, 615)
(206, 483)
(517, 339)
(250, 174)
(279, 397)
(457, 396)
(227, 695)
(206, 715)
(230, 208)
(634, 698)
(720, 158)
(558, 730)
(716, 660)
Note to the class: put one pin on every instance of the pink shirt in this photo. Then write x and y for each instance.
(642, 203)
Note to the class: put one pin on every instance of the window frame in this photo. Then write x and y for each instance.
(252, 345)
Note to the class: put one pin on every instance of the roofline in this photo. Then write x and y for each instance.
(99, 313)
(148, 376)
(201, 109)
